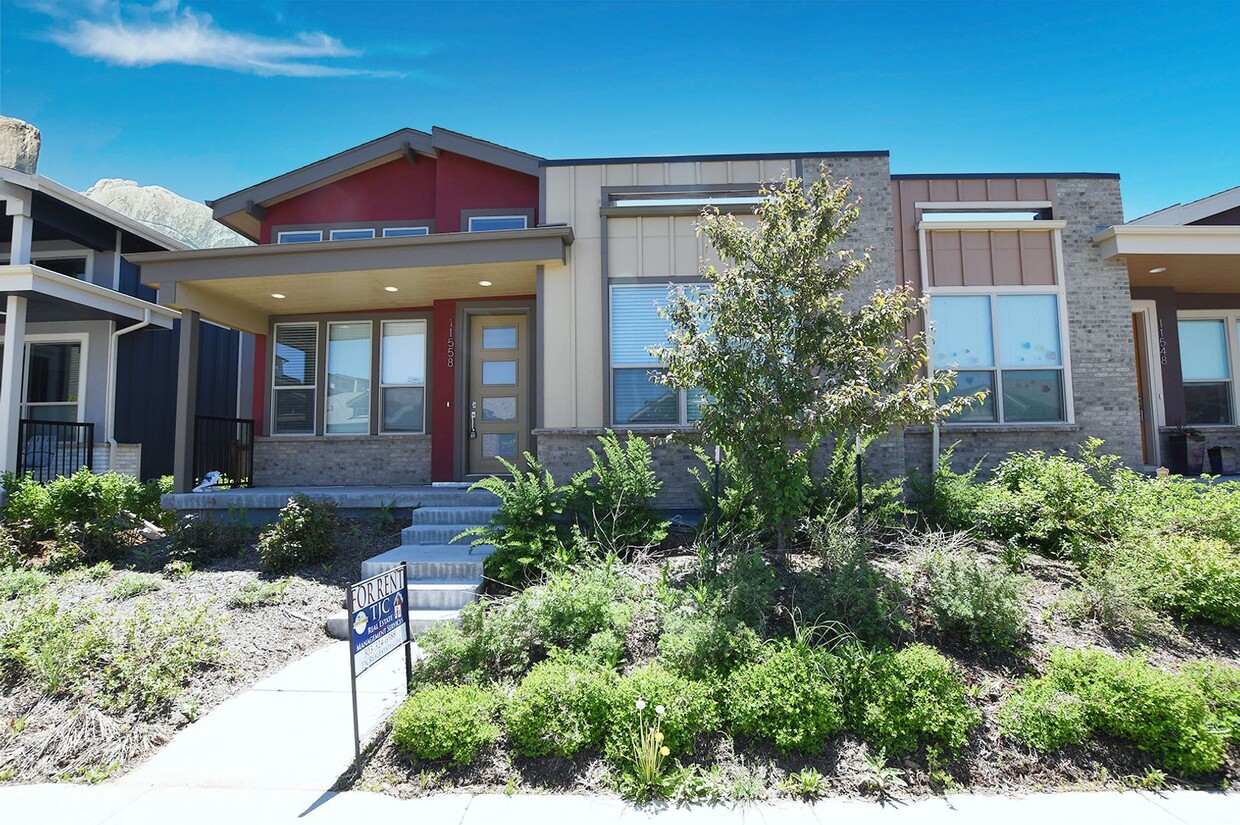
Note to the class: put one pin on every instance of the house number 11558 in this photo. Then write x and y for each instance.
(451, 344)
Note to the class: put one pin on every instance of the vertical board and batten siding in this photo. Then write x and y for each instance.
(573, 378)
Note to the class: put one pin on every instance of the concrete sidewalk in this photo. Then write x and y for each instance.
(132, 805)
(291, 731)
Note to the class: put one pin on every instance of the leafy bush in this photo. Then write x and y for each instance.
(21, 581)
(1195, 578)
(946, 499)
(701, 644)
(744, 589)
(305, 533)
(1220, 684)
(254, 593)
(911, 698)
(1044, 717)
(1111, 596)
(690, 709)
(494, 640)
(882, 502)
(789, 698)
(612, 502)
(129, 585)
(1163, 714)
(559, 708)
(449, 722)
(527, 532)
(966, 597)
(575, 605)
(203, 539)
(92, 510)
(849, 591)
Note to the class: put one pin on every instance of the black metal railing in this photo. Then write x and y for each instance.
(226, 445)
(49, 449)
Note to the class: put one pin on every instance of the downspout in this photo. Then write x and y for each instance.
(113, 349)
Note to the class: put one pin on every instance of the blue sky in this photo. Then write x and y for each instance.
(209, 97)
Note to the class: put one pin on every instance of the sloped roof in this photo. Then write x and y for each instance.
(1183, 214)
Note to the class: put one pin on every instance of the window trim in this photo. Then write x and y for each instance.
(280, 235)
(383, 322)
(1055, 227)
(1230, 319)
(524, 218)
(426, 230)
(682, 405)
(331, 233)
(370, 346)
(314, 387)
(80, 338)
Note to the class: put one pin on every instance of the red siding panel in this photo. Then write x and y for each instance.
(465, 183)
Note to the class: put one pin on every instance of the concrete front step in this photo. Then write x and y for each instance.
(421, 621)
(442, 595)
(430, 561)
(437, 534)
(453, 515)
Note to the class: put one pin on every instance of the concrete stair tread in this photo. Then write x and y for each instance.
(445, 584)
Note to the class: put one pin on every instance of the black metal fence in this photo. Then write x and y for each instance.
(49, 449)
(226, 445)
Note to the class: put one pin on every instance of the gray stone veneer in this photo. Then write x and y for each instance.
(358, 460)
(566, 453)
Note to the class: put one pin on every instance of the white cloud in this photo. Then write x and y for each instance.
(165, 33)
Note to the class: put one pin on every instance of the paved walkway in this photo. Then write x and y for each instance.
(268, 755)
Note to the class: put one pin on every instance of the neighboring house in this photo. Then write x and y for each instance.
(497, 302)
(89, 357)
(1183, 265)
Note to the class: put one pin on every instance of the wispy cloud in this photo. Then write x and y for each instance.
(166, 33)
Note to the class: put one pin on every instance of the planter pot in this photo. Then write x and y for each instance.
(1223, 461)
(1187, 454)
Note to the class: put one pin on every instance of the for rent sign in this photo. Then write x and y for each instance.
(378, 613)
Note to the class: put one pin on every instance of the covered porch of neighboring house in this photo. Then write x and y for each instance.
(59, 372)
(384, 362)
(1185, 286)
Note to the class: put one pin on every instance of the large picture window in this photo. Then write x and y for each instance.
(53, 381)
(402, 377)
(348, 378)
(636, 399)
(294, 375)
(1206, 367)
(1010, 345)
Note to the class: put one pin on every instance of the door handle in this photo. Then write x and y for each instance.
(473, 419)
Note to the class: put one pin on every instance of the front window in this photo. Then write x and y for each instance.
(294, 376)
(53, 381)
(495, 223)
(637, 399)
(348, 378)
(402, 377)
(1206, 368)
(1010, 345)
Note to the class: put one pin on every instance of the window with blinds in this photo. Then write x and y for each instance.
(294, 378)
(636, 399)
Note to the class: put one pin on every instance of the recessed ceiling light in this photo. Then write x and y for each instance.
(1158, 270)
(392, 289)
(484, 283)
(277, 295)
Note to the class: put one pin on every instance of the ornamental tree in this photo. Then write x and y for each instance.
(778, 354)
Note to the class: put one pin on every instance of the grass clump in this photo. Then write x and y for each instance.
(789, 698)
(559, 708)
(447, 723)
(129, 585)
(1166, 715)
(21, 581)
(305, 533)
(254, 593)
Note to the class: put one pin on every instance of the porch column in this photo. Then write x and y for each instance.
(17, 206)
(187, 402)
(11, 379)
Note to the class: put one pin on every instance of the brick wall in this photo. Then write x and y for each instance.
(361, 461)
(128, 459)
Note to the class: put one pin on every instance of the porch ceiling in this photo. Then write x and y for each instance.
(1193, 258)
(1186, 273)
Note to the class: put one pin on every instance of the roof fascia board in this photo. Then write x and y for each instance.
(881, 153)
(1010, 176)
(1181, 214)
(1126, 239)
(31, 278)
(448, 141)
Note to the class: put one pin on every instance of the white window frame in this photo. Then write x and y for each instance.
(83, 340)
(333, 232)
(426, 348)
(318, 368)
(407, 231)
(1229, 318)
(326, 332)
(525, 221)
(1059, 290)
(62, 254)
(682, 414)
(280, 235)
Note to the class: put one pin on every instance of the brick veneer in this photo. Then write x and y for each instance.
(361, 460)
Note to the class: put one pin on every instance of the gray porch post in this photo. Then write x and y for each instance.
(187, 402)
(11, 379)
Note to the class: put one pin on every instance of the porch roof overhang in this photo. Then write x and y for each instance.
(236, 286)
(1192, 258)
(51, 296)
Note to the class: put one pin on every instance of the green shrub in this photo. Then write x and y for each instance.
(849, 592)
(1163, 714)
(882, 501)
(966, 597)
(202, 539)
(1111, 596)
(449, 722)
(1194, 578)
(736, 509)
(790, 698)
(575, 604)
(559, 708)
(911, 698)
(744, 589)
(704, 645)
(527, 532)
(493, 641)
(254, 593)
(1044, 717)
(946, 499)
(612, 502)
(690, 710)
(21, 581)
(95, 511)
(129, 585)
(305, 533)
(1220, 684)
